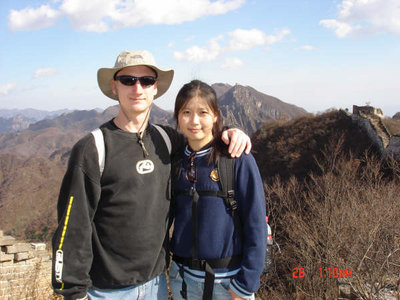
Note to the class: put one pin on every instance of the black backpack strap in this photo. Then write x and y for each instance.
(226, 172)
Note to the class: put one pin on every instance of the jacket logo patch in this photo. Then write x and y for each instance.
(214, 175)
(144, 166)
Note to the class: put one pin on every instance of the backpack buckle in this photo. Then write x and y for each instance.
(233, 204)
(231, 199)
(198, 264)
(191, 191)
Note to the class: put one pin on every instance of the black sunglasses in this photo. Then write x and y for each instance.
(191, 173)
(131, 80)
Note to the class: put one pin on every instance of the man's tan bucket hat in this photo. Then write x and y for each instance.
(130, 58)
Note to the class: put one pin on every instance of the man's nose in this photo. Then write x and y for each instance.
(137, 87)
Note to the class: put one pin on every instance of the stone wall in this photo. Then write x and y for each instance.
(369, 119)
(365, 124)
(367, 110)
(24, 270)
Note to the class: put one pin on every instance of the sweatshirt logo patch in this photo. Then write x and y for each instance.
(145, 166)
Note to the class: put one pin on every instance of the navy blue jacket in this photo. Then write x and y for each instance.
(217, 235)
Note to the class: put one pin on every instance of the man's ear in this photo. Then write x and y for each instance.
(114, 88)
(155, 90)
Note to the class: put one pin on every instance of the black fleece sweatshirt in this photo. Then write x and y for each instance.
(112, 227)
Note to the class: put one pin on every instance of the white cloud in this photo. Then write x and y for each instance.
(272, 39)
(241, 39)
(32, 19)
(5, 89)
(104, 15)
(232, 63)
(201, 54)
(246, 39)
(342, 29)
(90, 15)
(357, 17)
(44, 72)
(168, 12)
(306, 47)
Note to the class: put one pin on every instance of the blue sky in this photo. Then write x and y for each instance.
(316, 54)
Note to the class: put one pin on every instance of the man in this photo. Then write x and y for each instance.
(112, 234)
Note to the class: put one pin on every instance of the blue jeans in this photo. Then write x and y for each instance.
(150, 290)
(194, 288)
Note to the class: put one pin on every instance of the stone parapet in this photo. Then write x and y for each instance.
(25, 270)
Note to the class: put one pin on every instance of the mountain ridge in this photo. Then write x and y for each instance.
(247, 108)
(32, 113)
(16, 120)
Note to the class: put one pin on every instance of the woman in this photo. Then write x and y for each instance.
(218, 242)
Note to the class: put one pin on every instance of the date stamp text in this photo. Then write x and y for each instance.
(324, 273)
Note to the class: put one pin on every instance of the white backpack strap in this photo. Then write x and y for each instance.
(165, 136)
(99, 141)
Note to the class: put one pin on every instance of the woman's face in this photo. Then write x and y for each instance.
(196, 121)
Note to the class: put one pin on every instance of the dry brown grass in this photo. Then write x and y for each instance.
(347, 217)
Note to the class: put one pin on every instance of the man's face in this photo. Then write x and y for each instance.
(135, 99)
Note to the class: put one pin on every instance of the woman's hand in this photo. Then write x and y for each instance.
(237, 141)
(236, 297)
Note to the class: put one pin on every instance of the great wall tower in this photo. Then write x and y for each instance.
(370, 120)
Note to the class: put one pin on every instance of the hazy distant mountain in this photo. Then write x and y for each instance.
(86, 120)
(396, 116)
(82, 120)
(13, 120)
(15, 123)
(247, 108)
(31, 113)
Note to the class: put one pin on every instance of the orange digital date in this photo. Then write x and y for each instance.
(324, 273)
